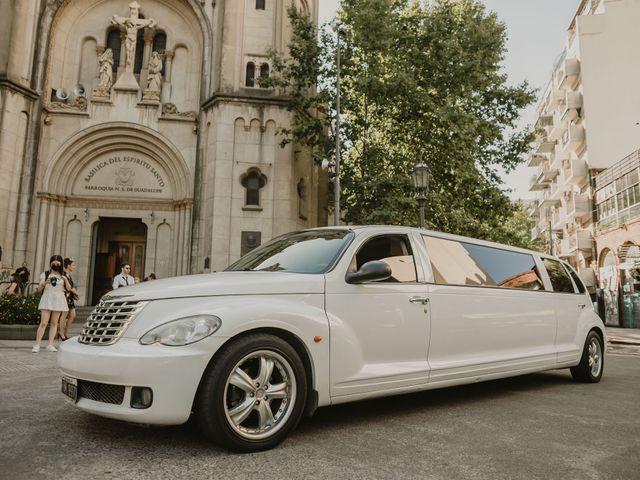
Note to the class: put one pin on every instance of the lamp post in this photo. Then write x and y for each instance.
(337, 27)
(421, 176)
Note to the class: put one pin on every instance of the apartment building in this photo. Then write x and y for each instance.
(587, 120)
(617, 234)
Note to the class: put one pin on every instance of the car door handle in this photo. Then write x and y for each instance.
(421, 300)
(582, 305)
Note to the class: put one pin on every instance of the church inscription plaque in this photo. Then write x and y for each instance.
(123, 173)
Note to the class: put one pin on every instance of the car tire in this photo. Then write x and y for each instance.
(591, 365)
(253, 394)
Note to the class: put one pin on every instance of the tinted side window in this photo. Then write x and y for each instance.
(560, 279)
(461, 263)
(576, 279)
(395, 251)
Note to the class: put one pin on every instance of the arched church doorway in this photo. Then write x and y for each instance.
(117, 241)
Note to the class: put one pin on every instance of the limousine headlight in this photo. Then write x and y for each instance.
(183, 331)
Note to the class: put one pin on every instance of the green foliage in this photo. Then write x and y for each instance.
(296, 76)
(516, 230)
(420, 81)
(15, 309)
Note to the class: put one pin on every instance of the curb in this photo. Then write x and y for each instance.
(20, 332)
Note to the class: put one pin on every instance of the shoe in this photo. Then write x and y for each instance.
(51, 348)
(35, 349)
(63, 338)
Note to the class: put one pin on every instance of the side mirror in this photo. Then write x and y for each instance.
(370, 272)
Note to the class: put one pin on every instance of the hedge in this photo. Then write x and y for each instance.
(15, 309)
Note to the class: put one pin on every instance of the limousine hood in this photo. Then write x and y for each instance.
(224, 283)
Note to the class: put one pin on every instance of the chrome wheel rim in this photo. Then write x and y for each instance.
(595, 357)
(259, 394)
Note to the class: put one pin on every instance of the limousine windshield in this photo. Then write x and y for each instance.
(313, 251)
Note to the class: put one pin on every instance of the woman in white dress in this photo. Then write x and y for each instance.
(53, 285)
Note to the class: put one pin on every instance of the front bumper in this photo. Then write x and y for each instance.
(173, 373)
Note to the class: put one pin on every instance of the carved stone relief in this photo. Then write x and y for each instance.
(170, 110)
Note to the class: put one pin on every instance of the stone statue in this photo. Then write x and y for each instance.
(131, 25)
(155, 73)
(105, 75)
(105, 69)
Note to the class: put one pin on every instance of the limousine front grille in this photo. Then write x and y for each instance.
(108, 321)
(101, 392)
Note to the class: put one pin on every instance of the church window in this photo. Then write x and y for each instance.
(160, 45)
(260, 4)
(253, 181)
(250, 80)
(137, 65)
(113, 42)
(264, 70)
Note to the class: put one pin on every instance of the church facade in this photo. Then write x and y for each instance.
(138, 132)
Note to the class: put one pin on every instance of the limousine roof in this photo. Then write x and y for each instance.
(401, 229)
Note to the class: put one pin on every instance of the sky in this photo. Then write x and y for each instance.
(536, 36)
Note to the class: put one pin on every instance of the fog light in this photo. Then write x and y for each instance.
(141, 397)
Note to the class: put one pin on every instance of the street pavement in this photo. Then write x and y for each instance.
(542, 426)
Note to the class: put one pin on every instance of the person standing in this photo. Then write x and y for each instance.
(123, 279)
(14, 286)
(23, 274)
(72, 295)
(53, 302)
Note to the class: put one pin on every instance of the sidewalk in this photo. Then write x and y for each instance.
(624, 336)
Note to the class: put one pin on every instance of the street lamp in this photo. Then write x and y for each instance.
(337, 27)
(421, 176)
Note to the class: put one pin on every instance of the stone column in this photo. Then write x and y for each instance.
(41, 259)
(186, 243)
(165, 96)
(148, 45)
(179, 219)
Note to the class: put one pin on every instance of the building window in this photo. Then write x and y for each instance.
(250, 80)
(264, 71)
(113, 42)
(253, 181)
(302, 199)
(260, 4)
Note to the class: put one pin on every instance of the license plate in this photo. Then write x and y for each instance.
(70, 388)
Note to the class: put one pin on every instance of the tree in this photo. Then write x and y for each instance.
(420, 81)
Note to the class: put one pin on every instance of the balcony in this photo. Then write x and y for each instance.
(580, 240)
(535, 159)
(545, 144)
(544, 121)
(549, 202)
(578, 208)
(558, 128)
(534, 186)
(573, 139)
(572, 107)
(546, 173)
(574, 170)
(556, 98)
(564, 248)
(534, 209)
(556, 190)
(557, 219)
(568, 73)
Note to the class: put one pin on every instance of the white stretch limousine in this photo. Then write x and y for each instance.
(326, 316)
